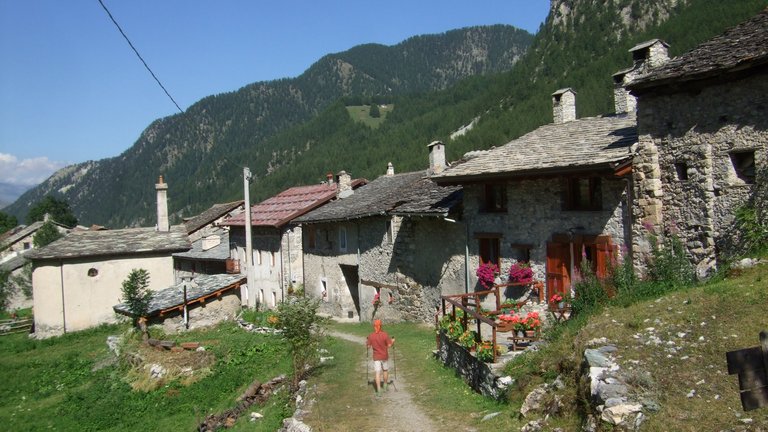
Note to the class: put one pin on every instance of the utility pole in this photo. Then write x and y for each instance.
(250, 293)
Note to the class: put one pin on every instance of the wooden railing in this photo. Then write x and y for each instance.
(470, 304)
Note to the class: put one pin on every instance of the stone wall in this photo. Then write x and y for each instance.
(411, 262)
(685, 178)
(534, 214)
(475, 373)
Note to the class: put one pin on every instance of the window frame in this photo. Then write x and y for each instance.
(572, 194)
(494, 199)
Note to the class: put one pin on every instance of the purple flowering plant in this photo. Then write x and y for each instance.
(486, 274)
(521, 272)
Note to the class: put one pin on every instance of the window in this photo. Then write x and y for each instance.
(257, 255)
(681, 170)
(582, 194)
(494, 198)
(27, 245)
(92, 272)
(343, 239)
(521, 252)
(272, 259)
(388, 228)
(311, 236)
(744, 166)
(490, 246)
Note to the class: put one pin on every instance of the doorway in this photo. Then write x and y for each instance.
(352, 277)
(565, 255)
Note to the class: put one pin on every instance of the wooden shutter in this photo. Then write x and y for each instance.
(558, 261)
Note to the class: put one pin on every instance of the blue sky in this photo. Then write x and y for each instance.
(72, 90)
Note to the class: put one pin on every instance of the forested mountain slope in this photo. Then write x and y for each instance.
(294, 131)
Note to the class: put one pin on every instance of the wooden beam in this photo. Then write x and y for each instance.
(378, 284)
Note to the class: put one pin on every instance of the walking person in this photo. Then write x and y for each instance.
(380, 341)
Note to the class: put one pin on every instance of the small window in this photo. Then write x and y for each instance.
(489, 249)
(27, 245)
(681, 170)
(311, 236)
(257, 256)
(388, 228)
(342, 239)
(582, 193)
(92, 272)
(495, 198)
(744, 166)
(520, 252)
(272, 259)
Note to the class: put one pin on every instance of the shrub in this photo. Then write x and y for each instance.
(486, 274)
(303, 330)
(669, 266)
(590, 293)
(521, 272)
(136, 294)
(753, 229)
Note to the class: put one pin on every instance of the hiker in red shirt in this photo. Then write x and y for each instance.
(380, 341)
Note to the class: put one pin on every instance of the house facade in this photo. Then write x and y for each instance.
(396, 240)
(703, 135)
(77, 280)
(277, 255)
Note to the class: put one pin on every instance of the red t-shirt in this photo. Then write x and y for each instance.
(379, 342)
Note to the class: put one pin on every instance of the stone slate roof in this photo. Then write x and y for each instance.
(741, 47)
(289, 204)
(173, 296)
(407, 193)
(219, 252)
(578, 145)
(129, 241)
(14, 263)
(18, 233)
(209, 216)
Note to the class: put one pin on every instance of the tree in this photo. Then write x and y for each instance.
(374, 111)
(6, 289)
(46, 234)
(303, 329)
(57, 209)
(136, 293)
(7, 222)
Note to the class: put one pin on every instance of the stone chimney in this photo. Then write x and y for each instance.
(390, 170)
(329, 178)
(647, 55)
(436, 157)
(564, 105)
(162, 205)
(345, 184)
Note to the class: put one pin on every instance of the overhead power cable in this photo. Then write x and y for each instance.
(139, 55)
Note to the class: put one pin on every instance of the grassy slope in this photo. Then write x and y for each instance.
(695, 327)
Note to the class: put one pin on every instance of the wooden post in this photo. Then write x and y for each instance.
(751, 364)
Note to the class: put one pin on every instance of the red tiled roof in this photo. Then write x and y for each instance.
(286, 206)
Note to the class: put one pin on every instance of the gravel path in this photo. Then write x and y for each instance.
(399, 413)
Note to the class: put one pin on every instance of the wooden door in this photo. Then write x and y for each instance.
(558, 269)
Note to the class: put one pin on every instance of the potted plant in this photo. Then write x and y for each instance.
(532, 324)
(558, 301)
(486, 274)
(521, 273)
(509, 322)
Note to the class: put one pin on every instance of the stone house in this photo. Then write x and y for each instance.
(702, 139)
(394, 237)
(210, 243)
(19, 240)
(77, 279)
(559, 195)
(276, 242)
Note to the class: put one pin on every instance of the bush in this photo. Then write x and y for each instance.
(136, 293)
(590, 292)
(303, 330)
(669, 266)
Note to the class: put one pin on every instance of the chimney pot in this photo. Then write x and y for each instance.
(436, 157)
(162, 205)
(390, 169)
(564, 105)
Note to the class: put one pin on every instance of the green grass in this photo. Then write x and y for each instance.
(360, 113)
(439, 393)
(703, 321)
(52, 384)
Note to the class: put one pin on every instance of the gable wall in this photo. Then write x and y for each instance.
(66, 298)
(534, 214)
(698, 128)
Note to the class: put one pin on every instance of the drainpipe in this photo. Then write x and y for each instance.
(466, 252)
(63, 307)
(282, 263)
(630, 228)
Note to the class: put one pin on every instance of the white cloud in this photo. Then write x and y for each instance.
(27, 172)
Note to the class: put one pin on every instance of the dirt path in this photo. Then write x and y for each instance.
(395, 410)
